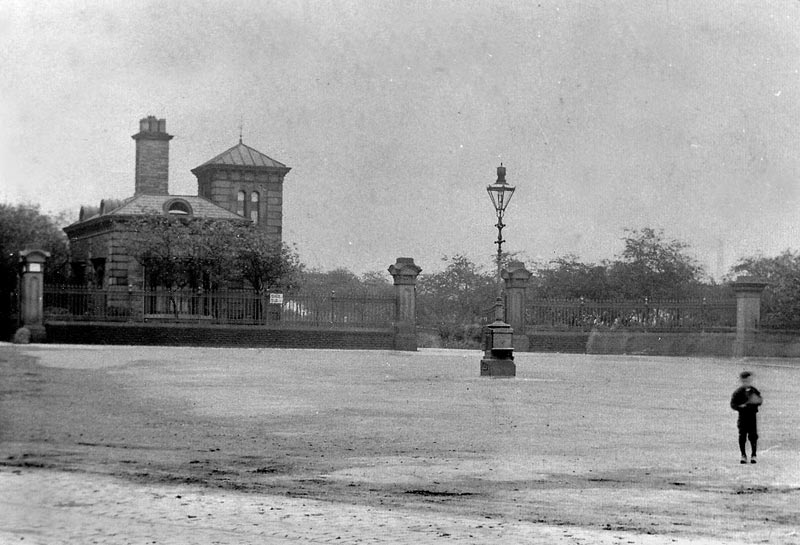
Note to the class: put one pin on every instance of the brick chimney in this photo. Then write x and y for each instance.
(152, 157)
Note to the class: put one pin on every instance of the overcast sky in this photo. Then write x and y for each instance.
(679, 115)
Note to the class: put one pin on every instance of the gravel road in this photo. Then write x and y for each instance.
(174, 445)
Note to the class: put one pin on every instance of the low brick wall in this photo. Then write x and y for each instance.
(661, 344)
(569, 342)
(779, 344)
(718, 344)
(216, 335)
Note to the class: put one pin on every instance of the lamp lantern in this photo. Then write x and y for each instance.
(500, 193)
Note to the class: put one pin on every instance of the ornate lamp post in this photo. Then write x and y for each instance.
(500, 192)
(498, 359)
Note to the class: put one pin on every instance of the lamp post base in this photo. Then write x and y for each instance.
(494, 367)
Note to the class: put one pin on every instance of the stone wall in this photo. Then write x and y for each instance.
(109, 242)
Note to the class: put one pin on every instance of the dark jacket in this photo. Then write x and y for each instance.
(744, 395)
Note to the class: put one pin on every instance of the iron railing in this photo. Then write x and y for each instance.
(244, 307)
(645, 314)
(10, 318)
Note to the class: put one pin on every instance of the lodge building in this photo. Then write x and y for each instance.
(240, 184)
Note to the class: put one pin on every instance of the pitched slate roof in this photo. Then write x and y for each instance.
(141, 205)
(242, 155)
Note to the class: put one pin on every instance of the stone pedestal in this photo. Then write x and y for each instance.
(748, 312)
(405, 272)
(494, 367)
(498, 357)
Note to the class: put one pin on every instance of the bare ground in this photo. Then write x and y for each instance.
(603, 448)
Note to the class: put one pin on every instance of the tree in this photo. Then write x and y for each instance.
(379, 279)
(649, 266)
(781, 300)
(344, 281)
(23, 227)
(569, 278)
(326, 281)
(191, 252)
(461, 295)
(265, 263)
(653, 266)
(180, 252)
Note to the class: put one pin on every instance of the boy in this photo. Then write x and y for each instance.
(746, 400)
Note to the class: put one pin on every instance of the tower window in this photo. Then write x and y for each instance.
(240, 196)
(254, 206)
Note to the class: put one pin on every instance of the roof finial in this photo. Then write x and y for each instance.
(241, 126)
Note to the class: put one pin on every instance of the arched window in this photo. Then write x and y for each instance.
(240, 203)
(179, 208)
(254, 207)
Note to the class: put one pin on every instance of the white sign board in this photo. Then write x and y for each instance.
(275, 298)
